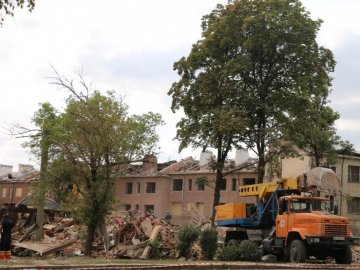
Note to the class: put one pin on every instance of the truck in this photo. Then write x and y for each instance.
(289, 220)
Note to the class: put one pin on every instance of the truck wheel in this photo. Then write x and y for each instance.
(234, 243)
(343, 256)
(297, 251)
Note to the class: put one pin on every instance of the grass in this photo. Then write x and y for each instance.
(52, 260)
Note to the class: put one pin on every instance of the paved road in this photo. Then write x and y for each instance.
(197, 266)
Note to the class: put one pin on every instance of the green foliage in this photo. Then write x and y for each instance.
(348, 198)
(208, 243)
(249, 251)
(229, 253)
(313, 130)
(246, 251)
(9, 6)
(87, 143)
(187, 235)
(202, 181)
(345, 148)
(155, 252)
(256, 63)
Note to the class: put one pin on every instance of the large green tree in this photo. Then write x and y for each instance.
(98, 137)
(88, 145)
(258, 58)
(211, 118)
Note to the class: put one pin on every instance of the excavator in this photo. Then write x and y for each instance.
(290, 220)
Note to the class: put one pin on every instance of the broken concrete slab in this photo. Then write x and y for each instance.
(146, 227)
(44, 248)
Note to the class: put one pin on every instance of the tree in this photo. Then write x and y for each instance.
(211, 118)
(313, 131)
(40, 142)
(98, 138)
(256, 59)
(9, 6)
(92, 142)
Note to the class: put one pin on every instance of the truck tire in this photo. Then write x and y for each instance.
(297, 251)
(234, 243)
(343, 256)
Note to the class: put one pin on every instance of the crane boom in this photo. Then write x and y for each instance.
(263, 189)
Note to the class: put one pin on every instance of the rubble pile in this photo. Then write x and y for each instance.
(124, 235)
(127, 236)
(356, 254)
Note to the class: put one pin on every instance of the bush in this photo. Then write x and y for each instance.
(155, 252)
(249, 251)
(246, 251)
(208, 243)
(230, 253)
(187, 235)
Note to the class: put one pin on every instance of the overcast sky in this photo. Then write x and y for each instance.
(130, 46)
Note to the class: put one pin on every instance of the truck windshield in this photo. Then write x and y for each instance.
(308, 205)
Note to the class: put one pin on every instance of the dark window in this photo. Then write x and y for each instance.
(150, 187)
(201, 187)
(353, 176)
(223, 184)
(354, 205)
(127, 207)
(138, 187)
(190, 184)
(233, 184)
(177, 185)
(136, 206)
(149, 208)
(249, 181)
(129, 188)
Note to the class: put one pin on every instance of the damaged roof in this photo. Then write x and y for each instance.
(187, 165)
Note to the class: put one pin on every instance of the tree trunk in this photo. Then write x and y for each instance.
(220, 160)
(216, 194)
(41, 188)
(261, 170)
(262, 162)
(89, 239)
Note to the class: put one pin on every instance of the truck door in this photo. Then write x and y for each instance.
(282, 219)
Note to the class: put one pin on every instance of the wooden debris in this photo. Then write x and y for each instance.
(153, 236)
(146, 227)
(44, 248)
(29, 232)
(128, 236)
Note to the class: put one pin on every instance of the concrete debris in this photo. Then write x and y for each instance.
(269, 258)
(127, 236)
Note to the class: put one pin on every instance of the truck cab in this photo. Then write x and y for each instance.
(305, 226)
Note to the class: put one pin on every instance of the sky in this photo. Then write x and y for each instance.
(129, 46)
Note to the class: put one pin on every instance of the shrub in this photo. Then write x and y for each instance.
(246, 251)
(188, 233)
(249, 251)
(229, 253)
(208, 243)
(155, 252)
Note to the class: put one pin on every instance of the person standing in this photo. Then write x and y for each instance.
(5, 243)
